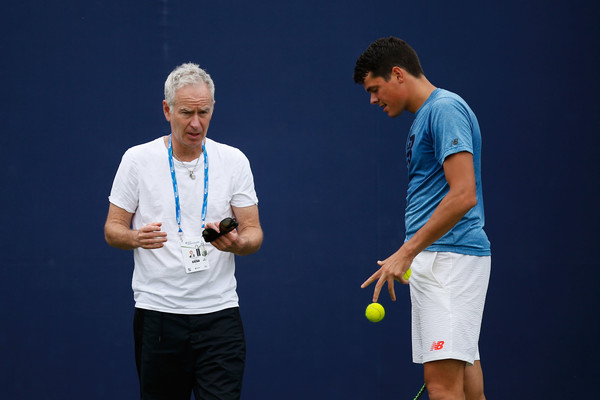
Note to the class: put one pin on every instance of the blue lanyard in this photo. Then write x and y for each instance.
(176, 190)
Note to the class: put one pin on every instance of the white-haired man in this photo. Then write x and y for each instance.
(166, 196)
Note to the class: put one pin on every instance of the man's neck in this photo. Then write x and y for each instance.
(183, 153)
(421, 89)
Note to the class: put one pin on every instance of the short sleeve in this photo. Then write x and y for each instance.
(451, 129)
(125, 192)
(244, 193)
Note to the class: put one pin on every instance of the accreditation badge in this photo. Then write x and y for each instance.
(195, 256)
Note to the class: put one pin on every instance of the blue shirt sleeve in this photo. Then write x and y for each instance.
(451, 129)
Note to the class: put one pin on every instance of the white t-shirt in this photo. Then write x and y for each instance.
(143, 187)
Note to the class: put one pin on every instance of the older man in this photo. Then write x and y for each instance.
(166, 194)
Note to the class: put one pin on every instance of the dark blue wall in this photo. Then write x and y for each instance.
(82, 82)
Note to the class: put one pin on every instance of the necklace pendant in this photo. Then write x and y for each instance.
(192, 175)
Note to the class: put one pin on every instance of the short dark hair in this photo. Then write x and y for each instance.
(384, 54)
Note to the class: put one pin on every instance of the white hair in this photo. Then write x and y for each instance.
(184, 75)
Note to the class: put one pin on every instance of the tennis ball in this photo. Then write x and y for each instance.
(375, 312)
(407, 274)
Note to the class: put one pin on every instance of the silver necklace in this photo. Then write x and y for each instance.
(191, 171)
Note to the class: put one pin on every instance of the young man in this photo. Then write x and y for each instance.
(446, 248)
(187, 326)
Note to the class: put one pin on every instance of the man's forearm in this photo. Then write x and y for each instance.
(119, 236)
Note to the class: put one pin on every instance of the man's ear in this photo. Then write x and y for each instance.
(398, 74)
(167, 110)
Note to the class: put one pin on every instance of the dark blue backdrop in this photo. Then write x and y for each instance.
(83, 82)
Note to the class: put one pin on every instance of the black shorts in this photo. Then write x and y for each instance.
(177, 354)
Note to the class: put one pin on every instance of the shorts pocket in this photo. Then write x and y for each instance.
(441, 268)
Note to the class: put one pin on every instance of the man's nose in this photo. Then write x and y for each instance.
(195, 122)
(374, 99)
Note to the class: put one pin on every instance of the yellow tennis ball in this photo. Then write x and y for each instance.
(375, 312)
(407, 274)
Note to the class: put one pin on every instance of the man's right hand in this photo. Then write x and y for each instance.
(150, 236)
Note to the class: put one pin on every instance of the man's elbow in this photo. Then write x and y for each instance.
(109, 238)
(469, 200)
(253, 244)
(463, 200)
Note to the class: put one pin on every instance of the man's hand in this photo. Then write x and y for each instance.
(392, 269)
(118, 232)
(150, 236)
(230, 242)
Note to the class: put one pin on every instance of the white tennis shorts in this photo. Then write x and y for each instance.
(447, 292)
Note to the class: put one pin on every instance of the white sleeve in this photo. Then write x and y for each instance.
(244, 194)
(124, 192)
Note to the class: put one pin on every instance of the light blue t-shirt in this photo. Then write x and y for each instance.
(444, 125)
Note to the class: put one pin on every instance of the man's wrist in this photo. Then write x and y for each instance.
(408, 250)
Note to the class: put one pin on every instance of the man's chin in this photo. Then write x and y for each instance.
(393, 114)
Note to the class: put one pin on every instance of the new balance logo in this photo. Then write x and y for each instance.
(437, 345)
